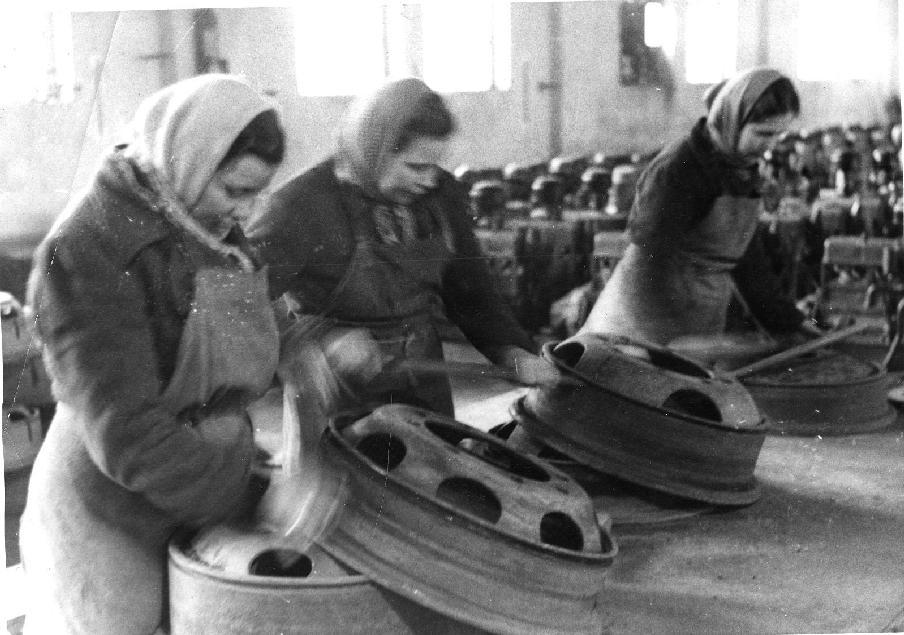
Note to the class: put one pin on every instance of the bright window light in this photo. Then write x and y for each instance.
(467, 45)
(837, 40)
(36, 54)
(339, 47)
(711, 40)
(660, 27)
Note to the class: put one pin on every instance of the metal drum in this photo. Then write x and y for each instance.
(455, 520)
(825, 393)
(231, 581)
(650, 417)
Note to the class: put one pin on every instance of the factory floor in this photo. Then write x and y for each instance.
(821, 551)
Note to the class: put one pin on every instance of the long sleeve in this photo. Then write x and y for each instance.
(761, 289)
(92, 315)
(673, 193)
(472, 302)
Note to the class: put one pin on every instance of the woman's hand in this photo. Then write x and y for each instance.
(353, 354)
(531, 369)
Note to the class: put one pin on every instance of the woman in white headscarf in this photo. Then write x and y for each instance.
(157, 330)
(379, 237)
(693, 222)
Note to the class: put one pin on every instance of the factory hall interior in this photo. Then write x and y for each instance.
(448, 317)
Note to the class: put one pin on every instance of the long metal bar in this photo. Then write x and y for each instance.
(797, 351)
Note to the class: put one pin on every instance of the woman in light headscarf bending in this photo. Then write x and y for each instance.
(379, 237)
(157, 330)
(693, 222)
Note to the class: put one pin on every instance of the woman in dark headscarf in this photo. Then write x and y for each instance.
(693, 222)
(157, 330)
(379, 237)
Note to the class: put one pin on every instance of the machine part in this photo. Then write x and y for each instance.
(594, 189)
(619, 502)
(823, 393)
(488, 203)
(650, 417)
(231, 581)
(547, 197)
(454, 519)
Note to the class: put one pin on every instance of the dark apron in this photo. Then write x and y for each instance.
(94, 552)
(392, 290)
(684, 292)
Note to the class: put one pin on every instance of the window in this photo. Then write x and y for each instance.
(711, 40)
(467, 46)
(36, 54)
(338, 47)
(344, 48)
(839, 40)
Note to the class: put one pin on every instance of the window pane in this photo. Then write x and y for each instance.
(839, 40)
(339, 47)
(711, 40)
(467, 45)
(36, 54)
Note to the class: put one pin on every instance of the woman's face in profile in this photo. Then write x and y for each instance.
(758, 137)
(230, 195)
(414, 171)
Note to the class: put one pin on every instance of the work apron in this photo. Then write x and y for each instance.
(392, 290)
(94, 552)
(657, 298)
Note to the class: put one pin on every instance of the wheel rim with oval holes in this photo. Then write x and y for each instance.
(452, 518)
(652, 417)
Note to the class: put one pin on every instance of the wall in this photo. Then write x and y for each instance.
(49, 151)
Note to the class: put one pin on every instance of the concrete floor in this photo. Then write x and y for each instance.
(822, 551)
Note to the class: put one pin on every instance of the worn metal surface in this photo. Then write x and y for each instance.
(214, 593)
(825, 393)
(652, 418)
(454, 519)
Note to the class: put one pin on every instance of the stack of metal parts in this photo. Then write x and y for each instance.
(444, 529)
(649, 417)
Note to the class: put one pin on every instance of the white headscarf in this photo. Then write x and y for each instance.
(183, 131)
(179, 136)
(371, 131)
(733, 103)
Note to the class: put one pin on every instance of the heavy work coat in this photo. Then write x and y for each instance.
(123, 465)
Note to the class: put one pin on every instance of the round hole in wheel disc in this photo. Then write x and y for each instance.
(495, 454)
(383, 449)
(694, 403)
(559, 530)
(570, 354)
(281, 563)
(470, 496)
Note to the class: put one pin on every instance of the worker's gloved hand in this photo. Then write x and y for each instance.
(531, 369)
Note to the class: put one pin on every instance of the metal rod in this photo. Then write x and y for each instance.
(797, 351)
(470, 369)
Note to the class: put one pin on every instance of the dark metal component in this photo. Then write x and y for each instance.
(454, 519)
(826, 393)
(547, 197)
(488, 203)
(663, 422)
(594, 189)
